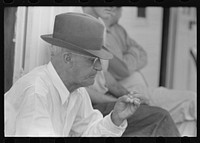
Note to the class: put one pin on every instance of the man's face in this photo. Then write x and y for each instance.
(84, 70)
(117, 13)
(103, 12)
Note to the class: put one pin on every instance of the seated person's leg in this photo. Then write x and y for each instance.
(147, 121)
(151, 121)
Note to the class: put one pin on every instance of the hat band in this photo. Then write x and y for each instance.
(89, 43)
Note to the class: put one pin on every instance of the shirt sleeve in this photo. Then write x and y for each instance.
(90, 122)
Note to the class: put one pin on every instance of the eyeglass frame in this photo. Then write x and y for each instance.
(94, 59)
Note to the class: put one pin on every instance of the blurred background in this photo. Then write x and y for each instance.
(169, 36)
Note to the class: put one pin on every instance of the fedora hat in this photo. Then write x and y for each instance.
(80, 33)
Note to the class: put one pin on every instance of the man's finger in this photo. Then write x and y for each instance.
(137, 101)
(123, 98)
(140, 96)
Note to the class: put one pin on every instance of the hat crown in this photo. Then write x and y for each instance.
(79, 29)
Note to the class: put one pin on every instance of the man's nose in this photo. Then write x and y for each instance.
(97, 65)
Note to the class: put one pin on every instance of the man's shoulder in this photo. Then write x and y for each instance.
(29, 83)
(118, 26)
(36, 77)
(118, 29)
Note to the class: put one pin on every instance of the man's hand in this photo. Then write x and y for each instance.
(141, 96)
(124, 108)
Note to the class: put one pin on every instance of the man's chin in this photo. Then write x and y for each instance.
(89, 82)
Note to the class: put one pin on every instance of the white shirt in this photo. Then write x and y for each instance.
(39, 104)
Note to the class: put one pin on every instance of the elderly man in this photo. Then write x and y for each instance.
(128, 59)
(51, 100)
(147, 120)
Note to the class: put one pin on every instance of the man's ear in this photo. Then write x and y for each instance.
(67, 57)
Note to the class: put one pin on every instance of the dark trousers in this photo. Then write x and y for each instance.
(147, 121)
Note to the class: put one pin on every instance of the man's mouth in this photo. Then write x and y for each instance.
(108, 10)
(92, 76)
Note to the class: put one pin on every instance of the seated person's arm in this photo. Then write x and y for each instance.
(118, 68)
(114, 88)
(133, 56)
(97, 97)
(141, 55)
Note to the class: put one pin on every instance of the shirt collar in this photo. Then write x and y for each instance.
(63, 91)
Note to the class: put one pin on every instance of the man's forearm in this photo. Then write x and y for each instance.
(139, 54)
(118, 67)
(115, 88)
(97, 97)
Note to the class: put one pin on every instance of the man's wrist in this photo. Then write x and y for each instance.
(125, 92)
(115, 119)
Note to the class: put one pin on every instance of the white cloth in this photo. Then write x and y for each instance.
(39, 104)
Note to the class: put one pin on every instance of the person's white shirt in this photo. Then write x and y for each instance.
(39, 104)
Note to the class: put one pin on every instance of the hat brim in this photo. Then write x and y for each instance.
(102, 54)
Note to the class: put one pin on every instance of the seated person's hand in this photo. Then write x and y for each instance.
(141, 96)
(125, 107)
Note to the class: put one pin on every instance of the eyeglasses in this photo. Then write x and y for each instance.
(93, 59)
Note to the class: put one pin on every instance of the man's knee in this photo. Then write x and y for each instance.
(160, 112)
(150, 112)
